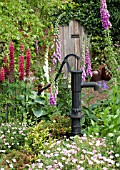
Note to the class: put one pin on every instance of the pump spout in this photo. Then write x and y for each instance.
(90, 84)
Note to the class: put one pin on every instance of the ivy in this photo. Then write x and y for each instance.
(87, 12)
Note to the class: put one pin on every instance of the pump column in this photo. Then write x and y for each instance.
(76, 79)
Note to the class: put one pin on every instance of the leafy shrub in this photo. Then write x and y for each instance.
(59, 125)
(36, 138)
(108, 122)
(107, 113)
(45, 131)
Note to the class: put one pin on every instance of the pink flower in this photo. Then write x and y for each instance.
(84, 151)
(2, 74)
(11, 67)
(11, 57)
(83, 138)
(5, 66)
(90, 162)
(28, 56)
(40, 165)
(21, 48)
(21, 68)
(53, 98)
(58, 50)
(98, 143)
(104, 168)
(55, 165)
(104, 15)
(83, 73)
(54, 58)
(57, 54)
(81, 168)
(74, 160)
(88, 63)
(82, 157)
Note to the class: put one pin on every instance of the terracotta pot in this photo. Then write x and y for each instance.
(105, 76)
(96, 76)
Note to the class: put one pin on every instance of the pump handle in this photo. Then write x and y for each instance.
(68, 67)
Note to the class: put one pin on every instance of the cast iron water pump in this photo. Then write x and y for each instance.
(76, 87)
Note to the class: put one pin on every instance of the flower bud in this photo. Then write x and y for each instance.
(28, 56)
(2, 74)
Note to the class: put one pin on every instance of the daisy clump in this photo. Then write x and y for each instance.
(76, 153)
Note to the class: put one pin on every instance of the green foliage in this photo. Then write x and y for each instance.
(24, 22)
(38, 108)
(64, 102)
(89, 113)
(45, 131)
(107, 113)
(12, 136)
(19, 23)
(14, 97)
(104, 53)
(97, 48)
(59, 125)
(36, 138)
(111, 56)
(77, 152)
(79, 10)
(114, 10)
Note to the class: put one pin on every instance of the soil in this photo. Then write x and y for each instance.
(97, 95)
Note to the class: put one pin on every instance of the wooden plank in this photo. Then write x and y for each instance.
(66, 40)
(66, 46)
(80, 45)
(77, 43)
(83, 46)
(71, 43)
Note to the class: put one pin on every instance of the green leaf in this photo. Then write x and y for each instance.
(92, 122)
(60, 105)
(30, 103)
(89, 98)
(39, 112)
(93, 117)
(82, 120)
(40, 100)
(33, 95)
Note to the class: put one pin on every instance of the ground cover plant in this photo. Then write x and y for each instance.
(12, 136)
(35, 131)
(43, 147)
(66, 153)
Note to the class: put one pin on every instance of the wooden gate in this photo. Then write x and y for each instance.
(73, 40)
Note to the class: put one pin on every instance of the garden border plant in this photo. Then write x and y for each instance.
(49, 135)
